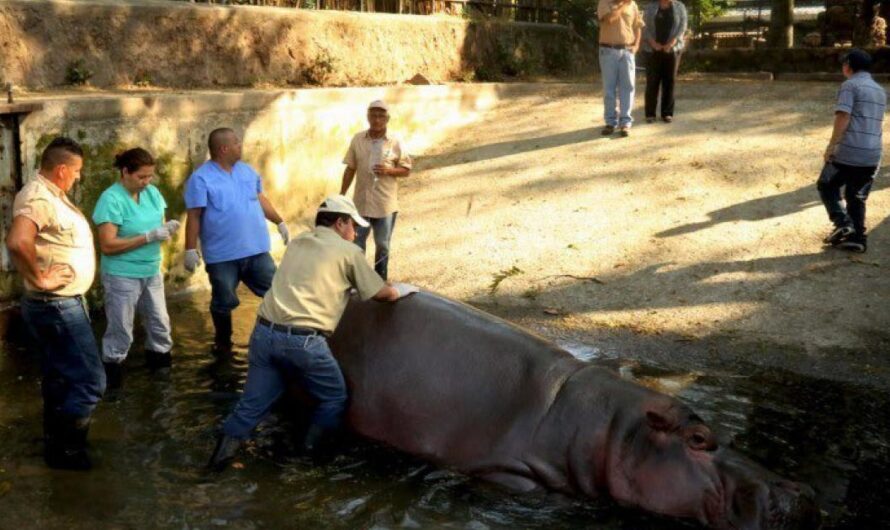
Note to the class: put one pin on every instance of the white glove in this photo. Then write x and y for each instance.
(173, 226)
(285, 233)
(192, 259)
(405, 289)
(161, 233)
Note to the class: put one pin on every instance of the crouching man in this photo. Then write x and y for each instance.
(308, 296)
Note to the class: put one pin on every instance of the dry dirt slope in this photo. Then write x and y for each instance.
(707, 227)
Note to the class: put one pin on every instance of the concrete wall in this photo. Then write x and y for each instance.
(177, 44)
(295, 138)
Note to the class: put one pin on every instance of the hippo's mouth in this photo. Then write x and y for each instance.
(793, 506)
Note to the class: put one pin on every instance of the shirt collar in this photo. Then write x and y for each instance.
(327, 232)
(368, 135)
(57, 191)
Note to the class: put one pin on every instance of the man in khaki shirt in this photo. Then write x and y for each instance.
(376, 160)
(309, 293)
(619, 36)
(52, 247)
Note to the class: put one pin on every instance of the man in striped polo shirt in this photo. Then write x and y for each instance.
(854, 152)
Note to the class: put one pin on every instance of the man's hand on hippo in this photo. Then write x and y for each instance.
(405, 289)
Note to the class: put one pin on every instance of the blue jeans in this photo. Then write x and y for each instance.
(383, 228)
(618, 68)
(255, 271)
(276, 357)
(857, 182)
(73, 377)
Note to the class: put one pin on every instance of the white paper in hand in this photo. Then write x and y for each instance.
(405, 289)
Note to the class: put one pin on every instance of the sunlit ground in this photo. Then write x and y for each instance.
(708, 226)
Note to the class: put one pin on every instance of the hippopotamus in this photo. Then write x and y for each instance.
(467, 390)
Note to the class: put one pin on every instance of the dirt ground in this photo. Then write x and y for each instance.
(702, 235)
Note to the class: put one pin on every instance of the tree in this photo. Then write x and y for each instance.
(781, 27)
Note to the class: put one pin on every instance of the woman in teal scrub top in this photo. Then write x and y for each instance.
(130, 221)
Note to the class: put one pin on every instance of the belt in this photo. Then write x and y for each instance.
(614, 46)
(290, 330)
(46, 297)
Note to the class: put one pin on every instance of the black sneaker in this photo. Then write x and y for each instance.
(853, 244)
(838, 234)
(624, 132)
(607, 130)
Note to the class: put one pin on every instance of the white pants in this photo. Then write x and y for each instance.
(123, 297)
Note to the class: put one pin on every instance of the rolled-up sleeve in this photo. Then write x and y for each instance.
(404, 159)
(350, 158)
(35, 208)
(363, 278)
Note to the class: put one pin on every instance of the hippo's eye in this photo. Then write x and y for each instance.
(701, 440)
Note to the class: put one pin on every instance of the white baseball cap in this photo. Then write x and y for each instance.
(378, 104)
(342, 204)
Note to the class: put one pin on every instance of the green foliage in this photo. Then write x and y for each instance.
(142, 78)
(77, 73)
(501, 276)
(321, 68)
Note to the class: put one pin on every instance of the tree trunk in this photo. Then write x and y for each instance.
(782, 24)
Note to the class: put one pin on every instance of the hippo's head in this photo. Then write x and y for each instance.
(670, 462)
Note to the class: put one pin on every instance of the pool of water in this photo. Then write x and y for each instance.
(150, 441)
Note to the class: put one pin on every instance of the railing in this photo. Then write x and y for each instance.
(542, 11)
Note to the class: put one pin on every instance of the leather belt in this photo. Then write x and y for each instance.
(290, 330)
(614, 46)
(47, 297)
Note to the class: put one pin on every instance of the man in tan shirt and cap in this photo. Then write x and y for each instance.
(376, 160)
(51, 244)
(309, 293)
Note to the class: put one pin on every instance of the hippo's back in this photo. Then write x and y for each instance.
(441, 379)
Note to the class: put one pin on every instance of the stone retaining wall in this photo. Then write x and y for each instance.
(176, 44)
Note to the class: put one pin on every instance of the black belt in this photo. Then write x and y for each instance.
(614, 46)
(290, 330)
(47, 297)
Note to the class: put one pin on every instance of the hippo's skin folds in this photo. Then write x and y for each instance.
(452, 384)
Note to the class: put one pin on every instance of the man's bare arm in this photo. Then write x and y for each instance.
(348, 175)
(268, 210)
(192, 227)
(841, 122)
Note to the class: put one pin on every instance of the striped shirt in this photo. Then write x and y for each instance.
(864, 100)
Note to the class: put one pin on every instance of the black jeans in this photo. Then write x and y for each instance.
(857, 182)
(661, 72)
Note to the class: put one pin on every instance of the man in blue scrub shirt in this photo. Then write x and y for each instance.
(226, 208)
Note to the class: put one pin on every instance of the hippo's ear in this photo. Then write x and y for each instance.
(660, 422)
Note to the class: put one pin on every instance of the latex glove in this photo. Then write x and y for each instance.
(285, 233)
(192, 259)
(161, 233)
(172, 225)
(405, 289)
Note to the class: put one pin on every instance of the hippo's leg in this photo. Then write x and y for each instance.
(512, 481)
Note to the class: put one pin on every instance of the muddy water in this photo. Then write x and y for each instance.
(149, 443)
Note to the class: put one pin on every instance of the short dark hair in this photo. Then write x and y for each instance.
(59, 151)
(215, 139)
(133, 159)
(330, 218)
(858, 60)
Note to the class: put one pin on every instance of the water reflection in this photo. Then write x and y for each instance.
(151, 440)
